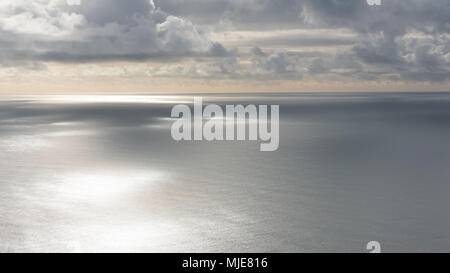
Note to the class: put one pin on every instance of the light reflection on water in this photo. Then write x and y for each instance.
(95, 186)
(101, 173)
(68, 99)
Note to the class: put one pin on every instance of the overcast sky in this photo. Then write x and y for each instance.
(140, 46)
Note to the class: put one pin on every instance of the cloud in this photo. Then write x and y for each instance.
(381, 41)
(249, 14)
(234, 39)
(98, 30)
(408, 38)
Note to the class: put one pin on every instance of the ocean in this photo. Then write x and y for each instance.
(102, 173)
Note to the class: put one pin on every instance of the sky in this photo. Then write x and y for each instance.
(177, 46)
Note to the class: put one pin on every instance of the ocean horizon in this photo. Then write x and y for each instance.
(102, 173)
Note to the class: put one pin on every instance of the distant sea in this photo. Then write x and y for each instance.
(102, 173)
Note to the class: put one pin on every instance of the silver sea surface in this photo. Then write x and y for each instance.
(102, 173)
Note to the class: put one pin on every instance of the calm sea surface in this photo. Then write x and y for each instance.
(86, 173)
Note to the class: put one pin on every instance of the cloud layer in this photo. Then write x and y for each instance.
(232, 39)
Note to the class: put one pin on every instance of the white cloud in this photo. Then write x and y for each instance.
(97, 30)
(37, 17)
(291, 39)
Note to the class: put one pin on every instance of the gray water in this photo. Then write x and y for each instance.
(103, 174)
